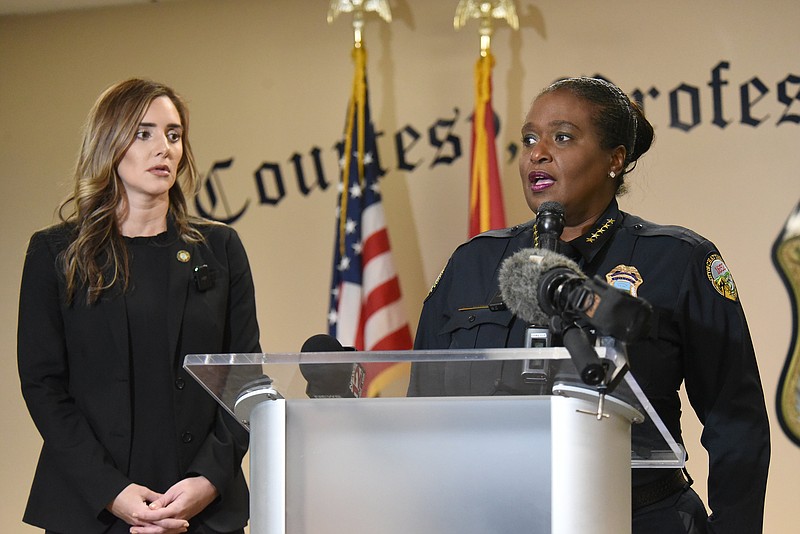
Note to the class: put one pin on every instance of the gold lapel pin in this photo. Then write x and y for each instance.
(184, 256)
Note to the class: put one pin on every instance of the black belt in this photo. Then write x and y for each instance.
(660, 489)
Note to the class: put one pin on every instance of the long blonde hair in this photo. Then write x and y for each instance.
(96, 258)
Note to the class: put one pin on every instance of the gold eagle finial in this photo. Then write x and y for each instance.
(485, 11)
(480, 9)
(381, 7)
(358, 8)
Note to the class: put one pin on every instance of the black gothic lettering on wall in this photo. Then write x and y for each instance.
(789, 97)
(264, 196)
(716, 84)
(452, 141)
(748, 101)
(402, 148)
(693, 95)
(512, 150)
(297, 162)
(683, 105)
(212, 185)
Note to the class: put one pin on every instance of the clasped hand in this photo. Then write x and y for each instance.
(165, 514)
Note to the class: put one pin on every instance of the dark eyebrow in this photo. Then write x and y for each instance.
(554, 124)
(562, 123)
(153, 125)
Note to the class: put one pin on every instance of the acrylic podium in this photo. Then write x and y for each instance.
(468, 465)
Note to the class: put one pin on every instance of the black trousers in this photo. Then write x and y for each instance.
(680, 513)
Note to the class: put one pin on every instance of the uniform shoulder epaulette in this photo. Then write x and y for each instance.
(505, 232)
(641, 227)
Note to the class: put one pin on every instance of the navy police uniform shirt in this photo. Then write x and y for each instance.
(699, 336)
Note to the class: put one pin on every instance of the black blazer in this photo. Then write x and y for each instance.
(75, 375)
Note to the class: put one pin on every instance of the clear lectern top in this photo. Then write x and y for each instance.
(227, 377)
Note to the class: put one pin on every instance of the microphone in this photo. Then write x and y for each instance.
(541, 285)
(549, 224)
(538, 284)
(331, 380)
(519, 279)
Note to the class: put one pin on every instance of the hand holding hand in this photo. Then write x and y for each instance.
(183, 500)
(133, 501)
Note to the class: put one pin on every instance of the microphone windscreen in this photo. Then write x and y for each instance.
(550, 206)
(330, 379)
(322, 343)
(549, 225)
(519, 279)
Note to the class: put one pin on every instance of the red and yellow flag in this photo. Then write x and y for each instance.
(485, 194)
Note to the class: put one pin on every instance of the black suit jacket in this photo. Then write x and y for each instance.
(75, 375)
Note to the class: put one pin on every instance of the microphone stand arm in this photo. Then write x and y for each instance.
(617, 356)
(604, 374)
(588, 363)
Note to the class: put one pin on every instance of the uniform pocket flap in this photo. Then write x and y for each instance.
(467, 318)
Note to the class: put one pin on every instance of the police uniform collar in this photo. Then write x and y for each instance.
(589, 244)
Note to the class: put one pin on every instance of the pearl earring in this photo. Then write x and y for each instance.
(612, 174)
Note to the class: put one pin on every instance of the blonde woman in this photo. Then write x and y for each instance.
(111, 300)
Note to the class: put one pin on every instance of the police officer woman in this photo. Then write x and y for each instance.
(580, 139)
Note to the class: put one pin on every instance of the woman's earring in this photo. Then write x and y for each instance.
(612, 174)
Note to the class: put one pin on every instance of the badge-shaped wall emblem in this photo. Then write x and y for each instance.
(786, 257)
(625, 278)
(720, 277)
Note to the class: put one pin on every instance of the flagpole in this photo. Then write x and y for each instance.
(486, 210)
(356, 110)
(366, 311)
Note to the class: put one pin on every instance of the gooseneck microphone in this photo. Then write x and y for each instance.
(521, 277)
(537, 283)
(544, 286)
(549, 224)
(331, 380)
(547, 231)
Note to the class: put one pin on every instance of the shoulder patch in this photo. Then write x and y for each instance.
(720, 277)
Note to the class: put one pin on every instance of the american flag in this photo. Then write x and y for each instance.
(485, 194)
(366, 310)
